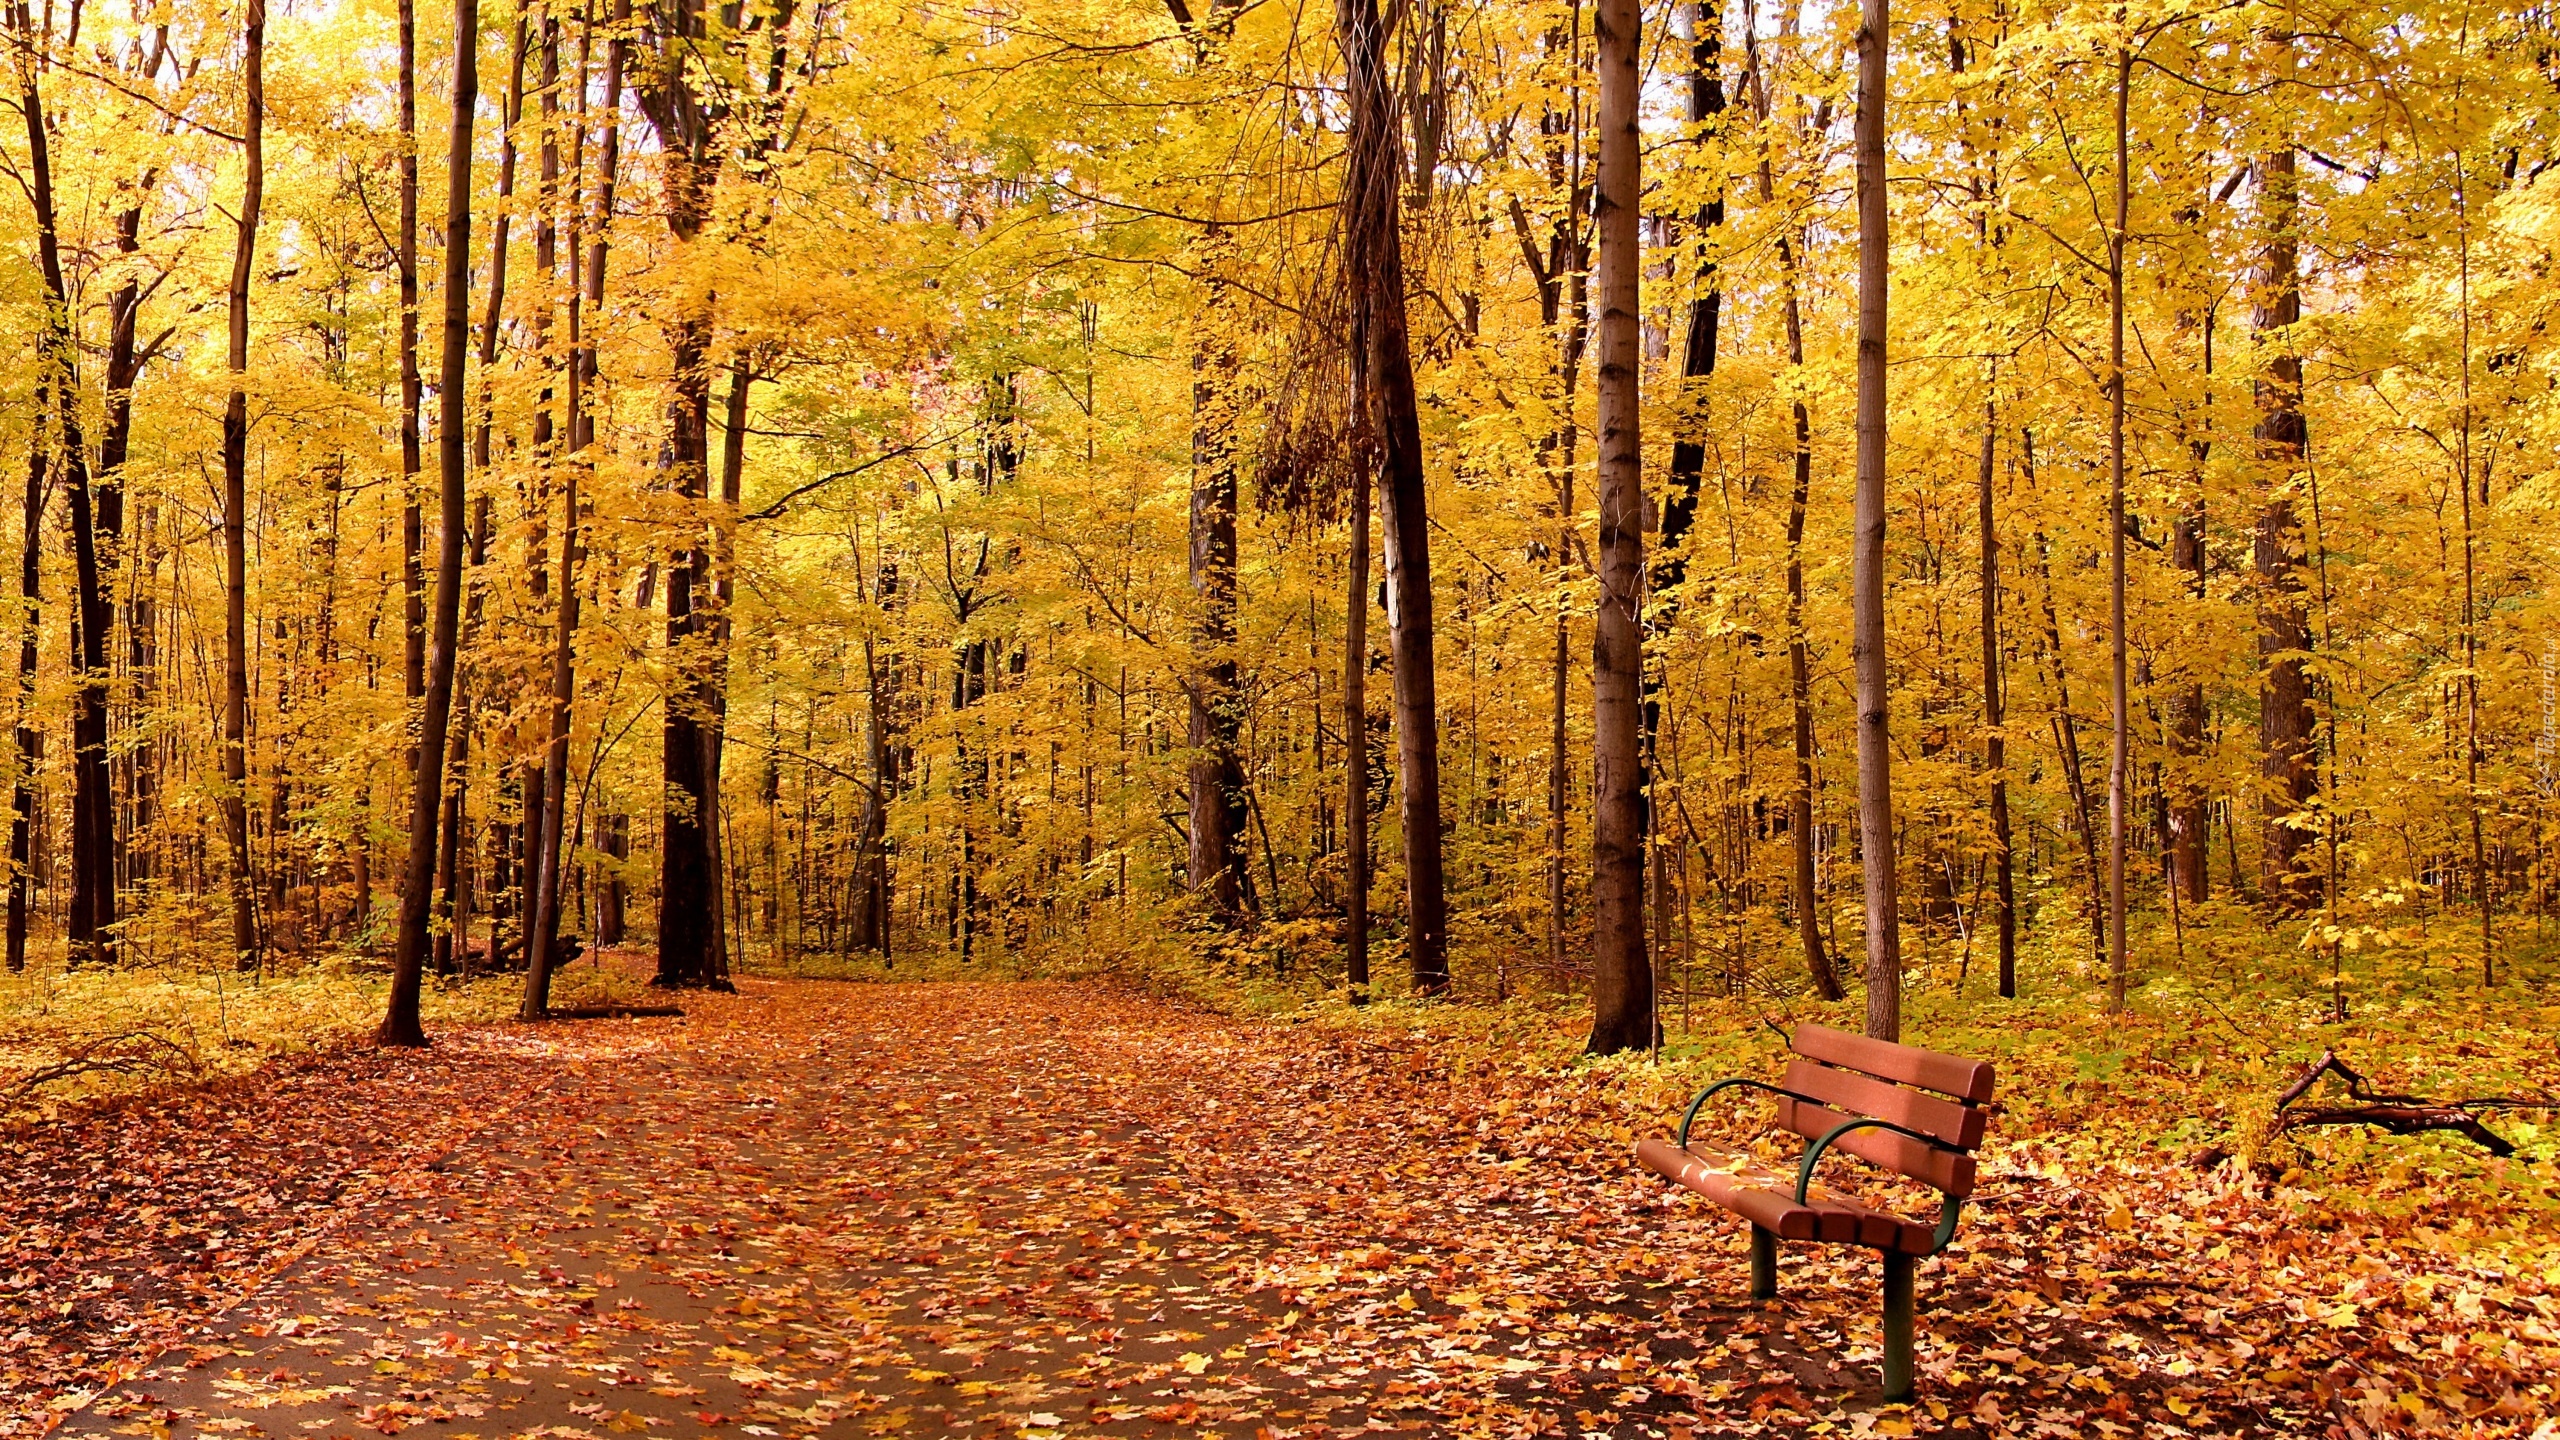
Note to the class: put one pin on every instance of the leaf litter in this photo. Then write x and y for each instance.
(1037, 1209)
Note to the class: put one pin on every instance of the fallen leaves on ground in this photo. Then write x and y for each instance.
(1032, 1209)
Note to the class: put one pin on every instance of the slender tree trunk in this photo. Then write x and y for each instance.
(1216, 865)
(400, 1026)
(235, 506)
(1374, 258)
(733, 462)
(90, 924)
(1565, 309)
(586, 297)
(1622, 974)
(413, 574)
(1688, 446)
(1355, 740)
(1995, 744)
(2120, 692)
(1875, 741)
(2285, 718)
(2190, 808)
(2470, 634)
(1800, 826)
(115, 442)
(23, 806)
(689, 877)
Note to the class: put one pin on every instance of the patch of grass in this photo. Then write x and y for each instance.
(70, 1037)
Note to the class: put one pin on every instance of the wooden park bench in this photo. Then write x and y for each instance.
(1917, 1113)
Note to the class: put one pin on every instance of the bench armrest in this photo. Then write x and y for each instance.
(1813, 1155)
(1690, 1115)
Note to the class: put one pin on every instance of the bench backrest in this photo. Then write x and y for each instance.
(1936, 1094)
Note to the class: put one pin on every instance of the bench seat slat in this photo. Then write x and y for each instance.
(1853, 1093)
(1948, 1170)
(1908, 1064)
(1768, 1201)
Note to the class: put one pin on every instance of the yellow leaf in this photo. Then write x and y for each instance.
(1195, 1363)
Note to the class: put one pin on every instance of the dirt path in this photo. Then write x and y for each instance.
(1034, 1210)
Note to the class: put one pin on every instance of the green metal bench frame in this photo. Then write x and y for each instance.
(1898, 1300)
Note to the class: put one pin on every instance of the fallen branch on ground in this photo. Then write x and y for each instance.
(132, 1052)
(2399, 1114)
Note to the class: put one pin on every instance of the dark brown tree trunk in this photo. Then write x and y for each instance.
(400, 1025)
(689, 878)
(687, 938)
(235, 506)
(413, 573)
(586, 297)
(2190, 811)
(1564, 283)
(2285, 718)
(1216, 869)
(115, 443)
(1875, 738)
(1995, 744)
(1355, 741)
(1374, 260)
(1688, 445)
(1800, 824)
(2119, 686)
(90, 926)
(613, 896)
(23, 806)
(1622, 999)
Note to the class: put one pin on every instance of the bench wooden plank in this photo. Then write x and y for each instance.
(1948, 1170)
(1768, 1201)
(1928, 1069)
(1853, 1093)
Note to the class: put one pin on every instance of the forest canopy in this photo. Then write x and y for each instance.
(1760, 500)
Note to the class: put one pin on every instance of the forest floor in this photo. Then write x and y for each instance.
(1035, 1209)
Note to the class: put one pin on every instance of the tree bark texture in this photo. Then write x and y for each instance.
(1622, 974)
(400, 1026)
(2289, 776)
(1875, 739)
(1374, 260)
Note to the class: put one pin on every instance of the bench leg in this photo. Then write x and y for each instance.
(1897, 1326)
(1764, 1264)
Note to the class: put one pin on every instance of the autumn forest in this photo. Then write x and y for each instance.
(1563, 540)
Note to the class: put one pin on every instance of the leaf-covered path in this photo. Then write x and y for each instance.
(1023, 1210)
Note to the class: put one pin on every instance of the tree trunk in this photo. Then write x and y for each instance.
(1373, 254)
(2120, 693)
(689, 878)
(1216, 867)
(1800, 826)
(235, 506)
(2190, 811)
(115, 442)
(413, 574)
(23, 807)
(1622, 999)
(2285, 718)
(90, 924)
(1688, 446)
(1875, 741)
(400, 1026)
(586, 297)
(1355, 742)
(1995, 744)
